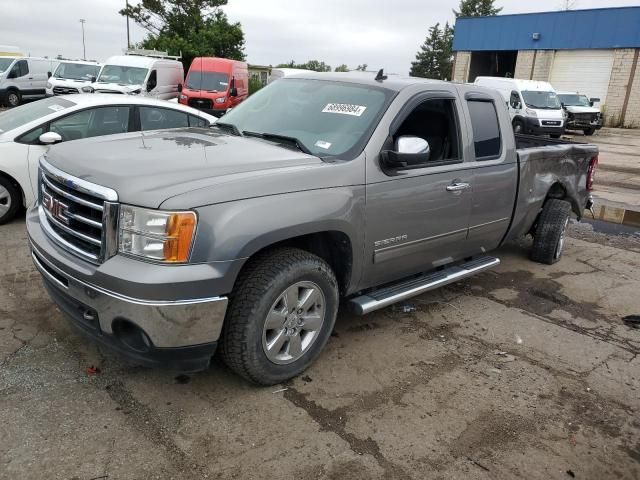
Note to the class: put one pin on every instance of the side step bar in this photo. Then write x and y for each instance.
(397, 292)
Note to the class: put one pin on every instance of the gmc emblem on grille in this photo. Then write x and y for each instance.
(57, 209)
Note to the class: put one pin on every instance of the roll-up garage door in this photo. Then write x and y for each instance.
(584, 71)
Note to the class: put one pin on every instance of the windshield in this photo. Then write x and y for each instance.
(209, 81)
(16, 117)
(539, 99)
(5, 63)
(123, 75)
(572, 100)
(327, 118)
(76, 71)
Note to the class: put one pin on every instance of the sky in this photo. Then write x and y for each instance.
(379, 33)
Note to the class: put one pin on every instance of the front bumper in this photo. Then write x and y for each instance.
(579, 125)
(532, 126)
(179, 333)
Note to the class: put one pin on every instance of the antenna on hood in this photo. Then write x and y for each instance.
(380, 76)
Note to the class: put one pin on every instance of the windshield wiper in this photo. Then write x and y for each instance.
(283, 138)
(228, 126)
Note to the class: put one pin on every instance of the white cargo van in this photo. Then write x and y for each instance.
(70, 76)
(23, 78)
(533, 106)
(131, 74)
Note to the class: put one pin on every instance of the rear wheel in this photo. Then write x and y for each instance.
(589, 131)
(518, 126)
(10, 200)
(548, 241)
(280, 316)
(13, 98)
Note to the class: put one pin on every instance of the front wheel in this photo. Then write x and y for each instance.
(548, 240)
(13, 98)
(10, 200)
(280, 316)
(518, 126)
(589, 131)
(555, 135)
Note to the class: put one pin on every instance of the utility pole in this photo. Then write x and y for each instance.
(128, 40)
(84, 49)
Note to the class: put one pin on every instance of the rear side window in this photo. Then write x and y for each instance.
(197, 122)
(486, 129)
(153, 118)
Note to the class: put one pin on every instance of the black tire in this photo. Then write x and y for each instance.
(555, 135)
(13, 98)
(518, 126)
(548, 240)
(12, 198)
(589, 131)
(258, 287)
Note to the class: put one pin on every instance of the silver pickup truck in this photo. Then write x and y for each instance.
(245, 237)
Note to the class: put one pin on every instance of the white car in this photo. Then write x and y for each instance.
(27, 131)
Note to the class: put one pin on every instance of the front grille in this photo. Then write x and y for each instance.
(201, 103)
(107, 91)
(585, 117)
(80, 218)
(64, 90)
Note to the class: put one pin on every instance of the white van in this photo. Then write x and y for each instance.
(23, 78)
(70, 76)
(277, 73)
(140, 75)
(533, 106)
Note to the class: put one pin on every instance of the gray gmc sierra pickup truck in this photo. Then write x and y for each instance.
(245, 237)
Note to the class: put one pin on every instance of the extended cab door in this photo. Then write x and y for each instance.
(417, 218)
(495, 170)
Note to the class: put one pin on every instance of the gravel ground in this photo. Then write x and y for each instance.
(526, 371)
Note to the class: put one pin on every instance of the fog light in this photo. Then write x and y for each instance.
(131, 335)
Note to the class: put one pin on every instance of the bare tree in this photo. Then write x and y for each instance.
(569, 4)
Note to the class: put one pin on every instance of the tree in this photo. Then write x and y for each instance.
(314, 65)
(362, 68)
(433, 60)
(477, 8)
(341, 68)
(197, 28)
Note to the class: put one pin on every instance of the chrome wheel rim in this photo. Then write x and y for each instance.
(12, 98)
(561, 240)
(293, 323)
(5, 201)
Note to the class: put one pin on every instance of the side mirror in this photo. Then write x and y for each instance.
(48, 74)
(517, 106)
(594, 100)
(92, 78)
(562, 104)
(591, 103)
(49, 138)
(409, 151)
(233, 92)
(179, 87)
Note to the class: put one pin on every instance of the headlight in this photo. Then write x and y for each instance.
(135, 92)
(221, 100)
(87, 89)
(183, 96)
(531, 113)
(155, 234)
(49, 85)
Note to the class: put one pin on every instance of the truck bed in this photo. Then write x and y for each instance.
(531, 141)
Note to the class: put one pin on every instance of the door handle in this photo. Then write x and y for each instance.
(456, 187)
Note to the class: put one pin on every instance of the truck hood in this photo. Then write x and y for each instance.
(116, 87)
(578, 109)
(152, 168)
(68, 82)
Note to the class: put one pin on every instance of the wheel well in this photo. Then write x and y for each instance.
(333, 247)
(13, 180)
(557, 191)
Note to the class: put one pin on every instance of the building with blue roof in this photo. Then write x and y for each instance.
(594, 52)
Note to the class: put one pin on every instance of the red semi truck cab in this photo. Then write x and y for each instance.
(215, 85)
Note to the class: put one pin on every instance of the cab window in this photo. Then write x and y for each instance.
(153, 80)
(153, 118)
(20, 69)
(197, 122)
(93, 122)
(515, 100)
(486, 129)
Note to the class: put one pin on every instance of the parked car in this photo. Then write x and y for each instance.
(318, 187)
(23, 78)
(533, 106)
(215, 85)
(27, 131)
(148, 76)
(278, 73)
(581, 113)
(70, 76)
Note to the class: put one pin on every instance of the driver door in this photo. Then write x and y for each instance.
(417, 218)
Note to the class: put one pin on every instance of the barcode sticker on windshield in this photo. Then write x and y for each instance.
(344, 109)
(56, 108)
(323, 144)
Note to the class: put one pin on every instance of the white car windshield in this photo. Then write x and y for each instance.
(573, 100)
(76, 71)
(324, 118)
(5, 63)
(16, 117)
(122, 75)
(540, 99)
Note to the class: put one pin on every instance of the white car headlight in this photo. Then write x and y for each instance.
(156, 234)
(87, 89)
(221, 100)
(49, 85)
(531, 113)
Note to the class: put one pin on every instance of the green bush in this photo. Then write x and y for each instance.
(255, 84)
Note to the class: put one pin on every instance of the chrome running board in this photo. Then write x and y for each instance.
(397, 292)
